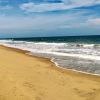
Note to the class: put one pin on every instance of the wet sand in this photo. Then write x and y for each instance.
(23, 77)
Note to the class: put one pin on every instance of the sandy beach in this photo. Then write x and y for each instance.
(23, 77)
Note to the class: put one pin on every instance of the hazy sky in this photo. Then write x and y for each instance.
(29, 18)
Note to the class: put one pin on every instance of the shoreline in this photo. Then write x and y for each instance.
(50, 60)
(28, 77)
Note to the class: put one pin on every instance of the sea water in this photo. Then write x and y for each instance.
(81, 53)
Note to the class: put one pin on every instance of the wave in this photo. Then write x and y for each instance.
(65, 49)
(81, 57)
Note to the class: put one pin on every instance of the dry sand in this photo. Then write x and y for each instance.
(23, 77)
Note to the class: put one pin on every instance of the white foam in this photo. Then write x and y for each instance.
(83, 51)
(59, 49)
(52, 60)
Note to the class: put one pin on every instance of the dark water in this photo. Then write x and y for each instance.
(95, 39)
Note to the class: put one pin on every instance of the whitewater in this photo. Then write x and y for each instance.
(83, 57)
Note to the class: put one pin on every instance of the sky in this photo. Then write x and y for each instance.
(42, 18)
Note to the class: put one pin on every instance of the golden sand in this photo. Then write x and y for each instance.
(23, 77)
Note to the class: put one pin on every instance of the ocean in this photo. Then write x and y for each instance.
(79, 53)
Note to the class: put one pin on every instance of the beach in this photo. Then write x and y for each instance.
(25, 77)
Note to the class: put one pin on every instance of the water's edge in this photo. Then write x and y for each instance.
(51, 60)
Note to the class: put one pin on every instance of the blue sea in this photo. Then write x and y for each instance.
(80, 53)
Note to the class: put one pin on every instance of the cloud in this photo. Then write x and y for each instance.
(81, 2)
(64, 5)
(32, 7)
(13, 24)
(65, 22)
(94, 22)
(89, 22)
(7, 7)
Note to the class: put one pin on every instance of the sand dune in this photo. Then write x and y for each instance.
(24, 77)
